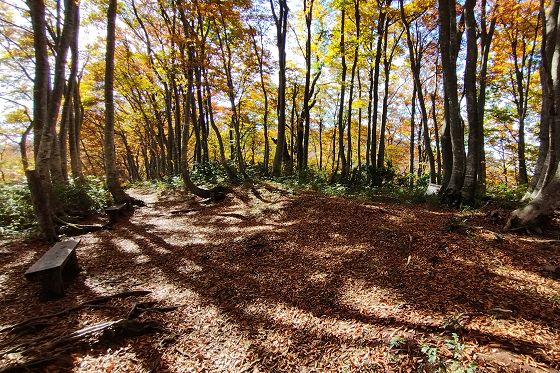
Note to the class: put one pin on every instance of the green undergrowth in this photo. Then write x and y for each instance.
(16, 210)
(79, 198)
(384, 183)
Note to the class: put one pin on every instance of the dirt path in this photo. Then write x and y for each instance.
(270, 281)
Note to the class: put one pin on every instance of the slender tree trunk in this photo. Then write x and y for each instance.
(341, 155)
(415, 58)
(387, 62)
(486, 35)
(382, 26)
(436, 135)
(281, 21)
(351, 92)
(473, 158)
(412, 129)
(258, 54)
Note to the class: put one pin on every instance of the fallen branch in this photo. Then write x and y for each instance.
(95, 301)
(73, 229)
(116, 328)
(111, 329)
(140, 308)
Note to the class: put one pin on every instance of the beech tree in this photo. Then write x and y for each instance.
(545, 194)
(111, 171)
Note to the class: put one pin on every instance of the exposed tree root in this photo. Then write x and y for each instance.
(451, 197)
(52, 346)
(108, 330)
(95, 301)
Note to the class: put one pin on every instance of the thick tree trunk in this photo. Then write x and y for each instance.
(41, 206)
(446, 146)
(111, 171)
(547, 190)
(39, 181)
(449, 46)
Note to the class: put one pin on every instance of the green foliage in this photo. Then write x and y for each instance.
(382, 175)
(83, 196)
(455, 345)
(505, 194)
(431, 353)
(16, 209)
(455, 223)
(455, 364)
(396, 342)
(209, 173)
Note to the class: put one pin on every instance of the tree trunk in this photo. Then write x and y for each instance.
(281, 21)
(341, 155)
(382, 25)
(449, 46)
(111, 172)
(473, 158)
(39, 181)
(412, 128)
(259, 56)
(415, 64)
(486, 36)
(547, 191)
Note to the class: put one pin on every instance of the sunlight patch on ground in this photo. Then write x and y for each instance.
(189, 268)
(398, 220)
(142, 259)
(23, 257)
(125, 358)
(126, 245)
(367, 299)
(529, 281)
(3, 281)
(345, 330)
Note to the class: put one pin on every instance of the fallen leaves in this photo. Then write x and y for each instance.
(271, 281)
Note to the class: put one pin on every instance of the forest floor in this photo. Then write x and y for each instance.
(274, 281)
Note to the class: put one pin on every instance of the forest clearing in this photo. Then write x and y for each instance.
(314, 186)
(269, 280)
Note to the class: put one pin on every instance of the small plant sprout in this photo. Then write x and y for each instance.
(396, 342)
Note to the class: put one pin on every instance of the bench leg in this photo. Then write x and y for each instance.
(73, 265)
(52, 283)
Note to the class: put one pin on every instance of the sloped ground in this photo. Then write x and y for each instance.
(267, 281)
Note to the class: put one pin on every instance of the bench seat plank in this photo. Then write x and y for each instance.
(55, 258)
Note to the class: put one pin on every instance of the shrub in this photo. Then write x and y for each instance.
(504, 193)
(83, 196)
(209, 173)
(16, 209)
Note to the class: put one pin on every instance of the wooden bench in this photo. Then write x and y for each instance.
(53, 266)
(113, 212)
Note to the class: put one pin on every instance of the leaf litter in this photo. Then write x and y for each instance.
(280, 282)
